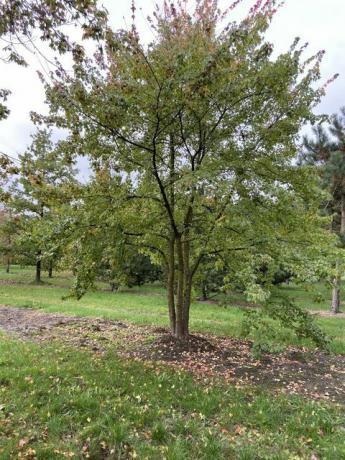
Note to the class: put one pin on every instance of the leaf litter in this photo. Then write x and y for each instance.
(310, 373)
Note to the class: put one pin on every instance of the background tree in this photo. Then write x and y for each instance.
(7, 233)
(20, 20)
(196, 133)
(43, 176)
(326, 151)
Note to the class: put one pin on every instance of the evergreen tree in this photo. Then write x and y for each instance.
(326, 150)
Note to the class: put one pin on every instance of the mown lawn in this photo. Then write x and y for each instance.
(147, 305)
(58, 403)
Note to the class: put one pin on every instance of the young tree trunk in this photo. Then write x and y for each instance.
(186, 302)
(335, 306)
(171, 285)
(173, 317)
(50, 269)
(38, 267)
(184, 289)
(180, 329)
(8, 264)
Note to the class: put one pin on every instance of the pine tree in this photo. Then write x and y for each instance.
(326, 150)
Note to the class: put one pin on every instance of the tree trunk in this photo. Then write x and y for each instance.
(38, 267)
(171, 285)
(8, 264)
(178, 249)
(174, 311)
(186, 302)
(336, 296)
(184, 289)
(335, 307)
(50, 269)
(180, 332)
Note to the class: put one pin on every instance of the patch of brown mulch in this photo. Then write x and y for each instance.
(314, 374)
(26, 321)
(168, 348)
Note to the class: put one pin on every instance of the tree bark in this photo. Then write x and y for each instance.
(178, 254)
(171, 285)
(180, 324)
(335, 306)
(184, 289)
(171, 248)
(8, 264)
(186, 303)
(38, 267)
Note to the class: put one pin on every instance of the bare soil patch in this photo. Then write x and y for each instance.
(314, 374)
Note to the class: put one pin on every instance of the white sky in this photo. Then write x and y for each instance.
(319, 22)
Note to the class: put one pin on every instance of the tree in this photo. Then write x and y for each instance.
(44, 174)
(10, 246)
(20, 20)
(195, 134)
(6, 235)
(326, 150)
(132, 269)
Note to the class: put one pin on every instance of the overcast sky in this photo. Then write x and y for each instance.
(319, 22)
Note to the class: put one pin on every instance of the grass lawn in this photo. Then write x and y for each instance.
(58, 403)
(145, 305)
(316, 296)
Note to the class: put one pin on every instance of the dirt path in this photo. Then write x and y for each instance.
(315, 375)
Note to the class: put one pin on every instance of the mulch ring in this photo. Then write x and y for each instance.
(314, 374)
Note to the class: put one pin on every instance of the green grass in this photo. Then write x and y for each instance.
(57, 402)
(316, 296)
(145, 305)
(61, 403)
(26, 275)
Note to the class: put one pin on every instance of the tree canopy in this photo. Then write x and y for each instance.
(42, 185)
(193, 139)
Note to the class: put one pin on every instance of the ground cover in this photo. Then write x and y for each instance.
(88, 388)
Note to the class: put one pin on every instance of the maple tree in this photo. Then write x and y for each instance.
(192, 138)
